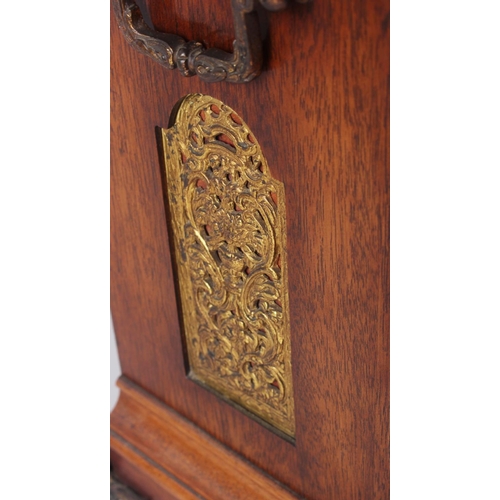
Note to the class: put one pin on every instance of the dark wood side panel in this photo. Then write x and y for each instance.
(320, 114)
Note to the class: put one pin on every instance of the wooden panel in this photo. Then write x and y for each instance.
(207, 22)
(320, 114)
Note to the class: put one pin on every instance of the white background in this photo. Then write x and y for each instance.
(54, 265)
(114, 368)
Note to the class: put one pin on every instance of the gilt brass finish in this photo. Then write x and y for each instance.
(228, 221)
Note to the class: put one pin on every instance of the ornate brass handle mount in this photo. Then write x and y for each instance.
(192, 58)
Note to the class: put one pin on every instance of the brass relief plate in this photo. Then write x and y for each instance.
(228, 222)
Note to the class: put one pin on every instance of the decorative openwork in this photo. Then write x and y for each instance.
(192, 58)
(228, 220)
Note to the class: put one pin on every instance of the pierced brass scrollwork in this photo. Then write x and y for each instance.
(228, 219)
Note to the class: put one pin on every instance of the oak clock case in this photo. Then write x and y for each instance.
(250, 248)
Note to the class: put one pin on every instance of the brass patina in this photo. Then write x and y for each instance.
(193, 58)
(227, 215)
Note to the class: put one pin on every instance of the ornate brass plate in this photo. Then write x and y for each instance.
(228, 221)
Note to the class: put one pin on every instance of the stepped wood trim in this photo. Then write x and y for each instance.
(151, 441)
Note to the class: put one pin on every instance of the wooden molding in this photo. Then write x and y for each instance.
(164, 456)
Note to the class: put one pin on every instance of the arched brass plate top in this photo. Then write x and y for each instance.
(228, 221)
(192, 58)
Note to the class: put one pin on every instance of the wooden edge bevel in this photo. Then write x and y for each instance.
(144, 476)
(164, 456)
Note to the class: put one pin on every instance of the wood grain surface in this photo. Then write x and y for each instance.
(320, 113)
(178, 458)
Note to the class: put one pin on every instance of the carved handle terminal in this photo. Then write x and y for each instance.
(192, 58)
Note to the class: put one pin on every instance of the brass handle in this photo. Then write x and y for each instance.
(192, 58)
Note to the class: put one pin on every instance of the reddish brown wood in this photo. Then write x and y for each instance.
(320, 114)
(208, 22)
(182, 461)
(143, 476)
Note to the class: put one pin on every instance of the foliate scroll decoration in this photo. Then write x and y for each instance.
(228, 220)
(193, 58)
